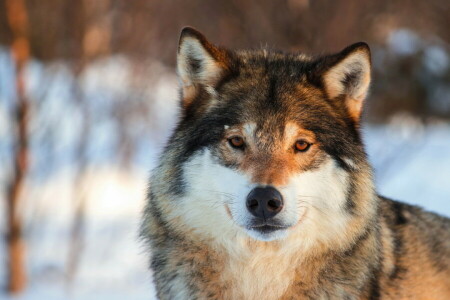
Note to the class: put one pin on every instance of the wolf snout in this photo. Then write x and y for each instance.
(264, 202)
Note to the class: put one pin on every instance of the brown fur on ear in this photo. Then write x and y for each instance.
(199, 64)
(348, 74)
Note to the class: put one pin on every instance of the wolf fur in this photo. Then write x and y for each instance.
(337, 239)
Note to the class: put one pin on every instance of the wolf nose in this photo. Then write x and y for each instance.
(264, 202)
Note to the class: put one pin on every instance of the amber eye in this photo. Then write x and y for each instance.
(302, 145)
(236, 142)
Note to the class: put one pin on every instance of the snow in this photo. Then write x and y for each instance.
(404, 42)
(113, 263)
(436, 59)
(412, 163)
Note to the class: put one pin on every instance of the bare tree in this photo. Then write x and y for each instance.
(18, 22)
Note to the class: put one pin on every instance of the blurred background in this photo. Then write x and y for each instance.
(88, 95)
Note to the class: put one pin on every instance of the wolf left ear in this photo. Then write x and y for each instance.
(200, 64)
(347, 74)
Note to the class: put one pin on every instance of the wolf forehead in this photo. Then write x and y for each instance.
(288, 69)
(267, 89)
(270, 84)
(260, 83)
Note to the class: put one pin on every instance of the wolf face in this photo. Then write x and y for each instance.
(268, 144)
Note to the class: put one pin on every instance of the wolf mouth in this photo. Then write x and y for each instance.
(267, 228)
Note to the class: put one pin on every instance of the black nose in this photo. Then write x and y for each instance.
(264, 202)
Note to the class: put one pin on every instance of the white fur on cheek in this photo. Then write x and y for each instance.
(210, 188)
(320, 195)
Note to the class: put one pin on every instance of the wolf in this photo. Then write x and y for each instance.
(264, 190)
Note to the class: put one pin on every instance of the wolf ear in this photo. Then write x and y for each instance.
(200, 64)
(347, 74)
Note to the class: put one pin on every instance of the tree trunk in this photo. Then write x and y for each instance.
(18, 22)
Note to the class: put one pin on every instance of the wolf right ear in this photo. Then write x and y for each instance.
(200, 64)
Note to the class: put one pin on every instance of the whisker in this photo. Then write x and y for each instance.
(305, 204)
(228, 198)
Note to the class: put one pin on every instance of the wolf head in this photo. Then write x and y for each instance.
(268, 145)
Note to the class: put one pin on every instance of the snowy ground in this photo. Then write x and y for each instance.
(412, 163)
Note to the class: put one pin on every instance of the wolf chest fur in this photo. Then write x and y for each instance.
(264, 190)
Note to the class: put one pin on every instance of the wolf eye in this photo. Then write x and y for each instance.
(302, 145)
(236, 142)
